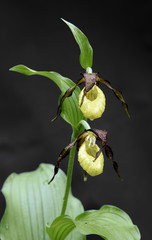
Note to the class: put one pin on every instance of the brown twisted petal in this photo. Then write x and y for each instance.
(109, 154)
(117, 93)
(62, 155)
(65, 152)
(67, 94)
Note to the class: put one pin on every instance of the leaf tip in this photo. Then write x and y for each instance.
(12, 69)
(66, 22)
(63, 19)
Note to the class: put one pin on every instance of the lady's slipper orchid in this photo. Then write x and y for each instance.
(93, 103)
(87, 156)
(90, 154)
(91, 97)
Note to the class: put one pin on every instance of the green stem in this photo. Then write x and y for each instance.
(89, 70)
(69, 174)
(70, 166)
(85, 124)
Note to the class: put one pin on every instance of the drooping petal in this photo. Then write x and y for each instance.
(117, 93)
(93, 104)
(65, 152)
(62, 155)
(109, 154)
(86, 157)
(67, 94)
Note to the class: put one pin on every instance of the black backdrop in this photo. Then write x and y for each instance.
(121, 38)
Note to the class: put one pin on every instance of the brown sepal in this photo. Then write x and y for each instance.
(90, 81)
(101, 135)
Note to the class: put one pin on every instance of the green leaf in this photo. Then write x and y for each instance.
(109, 222)
(60, 228)
(70, 108)
(86, 52)
(32, 203)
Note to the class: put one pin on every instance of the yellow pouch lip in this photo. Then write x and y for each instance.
(86, 158)
(94, 103)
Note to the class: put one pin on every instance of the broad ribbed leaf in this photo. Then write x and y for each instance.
(109, 222)
(32, 203)
(60, 228)
(86, 52)
(70, 108)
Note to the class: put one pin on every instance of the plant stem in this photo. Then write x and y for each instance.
(70, 166)
(85, 124)
(89, 70)
(69, 174)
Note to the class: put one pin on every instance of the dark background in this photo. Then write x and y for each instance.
(121, 37)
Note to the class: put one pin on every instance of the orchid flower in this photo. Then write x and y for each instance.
(91, 98)
(90, 155)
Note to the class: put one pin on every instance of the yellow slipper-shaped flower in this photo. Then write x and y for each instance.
(90, 156)
(93, 104)
(86, 158)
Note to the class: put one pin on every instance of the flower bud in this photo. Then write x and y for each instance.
(86, 157)
(93, 104)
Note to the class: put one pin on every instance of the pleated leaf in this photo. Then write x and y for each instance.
(70, 108)
(60, 228)
(86, 52)
(109, 222)
(32, 204)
